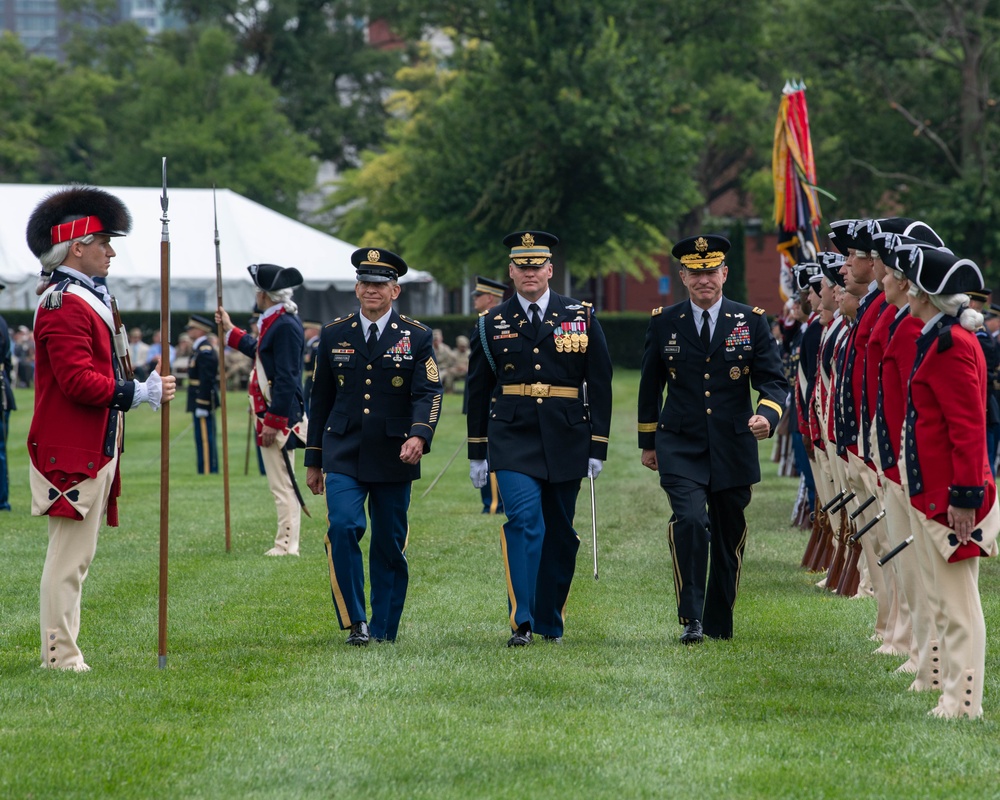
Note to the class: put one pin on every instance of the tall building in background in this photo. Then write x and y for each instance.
(40, 23)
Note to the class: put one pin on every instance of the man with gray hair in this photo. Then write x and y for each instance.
(81, 393)
(276, 391)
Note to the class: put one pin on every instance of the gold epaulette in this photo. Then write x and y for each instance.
(414, 322)
(657, 311)
(338, 320)
(758, 310)
(585, 303)
(484, 313)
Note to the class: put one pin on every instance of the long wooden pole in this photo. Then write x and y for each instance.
(165, 418)
(222, 377)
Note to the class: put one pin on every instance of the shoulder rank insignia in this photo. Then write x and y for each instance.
(657, 311)
(586, 304)
(758, 310)
(484, 313)
(339, 319)
(414, 322)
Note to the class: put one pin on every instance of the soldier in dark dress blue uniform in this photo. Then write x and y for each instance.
(539, 416)
(7, 405)
(311, 332)
(375, 403)
(203, 392)
(706, 353)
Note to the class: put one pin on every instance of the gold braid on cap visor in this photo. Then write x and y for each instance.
(707, 261)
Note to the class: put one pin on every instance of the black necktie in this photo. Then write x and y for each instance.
(535, 319)
(706, 334)
(372, 336)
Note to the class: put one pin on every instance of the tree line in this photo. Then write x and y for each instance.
(615, 123)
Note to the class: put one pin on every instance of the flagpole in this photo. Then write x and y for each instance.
(222, 377)
(165, 418)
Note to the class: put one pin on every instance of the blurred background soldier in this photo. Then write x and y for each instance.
(81, 392)
(203, 392)
(276, 392)
(139, 352)
(377, 398)
(7, 405)
(487, 294)
(705, 354)
(539, 415)
(980, 301)
(310, 330)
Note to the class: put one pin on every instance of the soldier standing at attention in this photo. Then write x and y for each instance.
(7, 405)
(81, 393)
(487, 294)
(539, 416)
(203, 392)
(707, 352)
(311, 332)
(376, 402)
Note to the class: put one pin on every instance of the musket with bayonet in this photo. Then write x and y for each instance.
(165, 418)
(222, 377)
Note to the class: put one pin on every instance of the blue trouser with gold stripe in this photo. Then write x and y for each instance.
(388, 571)
(707, 535)
(204, 444)
(539, 547)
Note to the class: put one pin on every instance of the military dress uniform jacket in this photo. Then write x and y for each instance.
(6, 368)
(945, 448)
(280, 352)
(365, 405)
(75, 430)
(547, 432)
(203, 378)
(700, 430)
(894, 377)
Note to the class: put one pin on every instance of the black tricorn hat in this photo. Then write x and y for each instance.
(702, 252)
(530, 248)
(886, 246)
(271, 277)
(938, 271)
(375, 265)
(75, 212)
(831, 263)
(804, 273)
(842, 234)
(914, 228)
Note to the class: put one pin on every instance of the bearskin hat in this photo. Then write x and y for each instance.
(93, 210)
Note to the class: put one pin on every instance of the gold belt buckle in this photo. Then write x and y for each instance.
(539, 390)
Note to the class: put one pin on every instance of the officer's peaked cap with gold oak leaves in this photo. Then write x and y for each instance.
(271, 277)
(75, 212)
(703, 252)
(375, 265)
(530, 248)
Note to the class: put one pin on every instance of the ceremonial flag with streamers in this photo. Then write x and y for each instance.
(796, 201)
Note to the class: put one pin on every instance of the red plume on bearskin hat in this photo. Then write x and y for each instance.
(92, 210)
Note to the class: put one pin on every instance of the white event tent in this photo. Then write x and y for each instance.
(249, 233)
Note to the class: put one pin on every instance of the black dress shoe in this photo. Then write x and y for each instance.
(692, 633)
(521, 637)
(359, 634)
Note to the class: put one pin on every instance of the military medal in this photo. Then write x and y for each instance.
(734, 373)
(397, 381)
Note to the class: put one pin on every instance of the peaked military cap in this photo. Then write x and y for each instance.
(489, 286)
(377, 266)
(530, 248)
(75, 212)
(703, 252)
(201, 323)
(982, 295)
(938, 271)
(271, 277)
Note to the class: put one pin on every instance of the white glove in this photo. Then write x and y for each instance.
(149, 392)
(200, 413)
(479, 471)
(594, 467)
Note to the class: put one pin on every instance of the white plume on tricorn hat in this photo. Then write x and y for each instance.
(75, 212)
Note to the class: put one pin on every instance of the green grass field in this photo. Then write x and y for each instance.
(260, 697)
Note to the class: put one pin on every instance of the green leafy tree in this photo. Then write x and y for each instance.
(561, 121)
